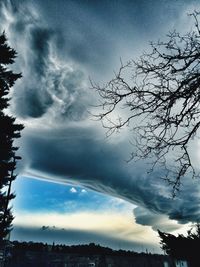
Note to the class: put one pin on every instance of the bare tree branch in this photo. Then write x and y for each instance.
(162, 102)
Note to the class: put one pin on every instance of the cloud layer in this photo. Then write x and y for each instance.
(110, 229)
(60, 141)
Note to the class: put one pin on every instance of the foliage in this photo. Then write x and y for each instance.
(161, 103)
(9, 131)
(182, 247)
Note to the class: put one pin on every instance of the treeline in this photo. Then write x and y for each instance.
(23, 254)
(90, 249)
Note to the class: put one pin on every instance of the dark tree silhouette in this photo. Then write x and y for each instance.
(183, 247)
(9, 130)
(162, 103)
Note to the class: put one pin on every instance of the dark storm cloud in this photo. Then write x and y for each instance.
(36, 99)
(54, 92)
(48, 83)
(79, 155)
(96, 31)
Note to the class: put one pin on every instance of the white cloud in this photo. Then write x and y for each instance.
(83, 191)
(73, 190)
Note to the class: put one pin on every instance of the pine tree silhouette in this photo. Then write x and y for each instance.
(9, 131)
(183, 247)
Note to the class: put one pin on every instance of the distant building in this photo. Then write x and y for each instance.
(181, 263)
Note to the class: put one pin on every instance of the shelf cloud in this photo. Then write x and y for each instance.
(61, 142)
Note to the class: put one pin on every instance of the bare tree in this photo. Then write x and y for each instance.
(162, 102)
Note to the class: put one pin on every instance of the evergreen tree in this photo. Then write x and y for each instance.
(183, 247)
(9, 131)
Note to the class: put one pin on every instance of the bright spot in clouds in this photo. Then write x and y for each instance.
(83, 191)
(73, 190)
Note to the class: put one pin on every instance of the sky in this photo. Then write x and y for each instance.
(74, 184)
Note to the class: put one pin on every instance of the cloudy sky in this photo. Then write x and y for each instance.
(74, 184)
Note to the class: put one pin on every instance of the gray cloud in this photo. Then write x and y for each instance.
(62, 143)
(156, 220)
(49, 84)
